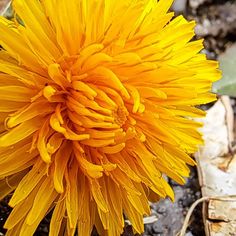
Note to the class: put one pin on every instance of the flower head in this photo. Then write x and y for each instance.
(95, 105)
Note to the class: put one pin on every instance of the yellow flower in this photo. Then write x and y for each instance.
(95, 105)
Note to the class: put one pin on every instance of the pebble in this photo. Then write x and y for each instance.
(203, 29)
(189, 234)
(196, 3)
(179, 6)
(157, 228)
(161, 209)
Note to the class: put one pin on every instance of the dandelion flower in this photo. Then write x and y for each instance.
(96, 101)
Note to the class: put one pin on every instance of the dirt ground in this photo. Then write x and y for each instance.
(216, 23)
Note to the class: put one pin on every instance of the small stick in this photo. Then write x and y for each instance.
(191, 209)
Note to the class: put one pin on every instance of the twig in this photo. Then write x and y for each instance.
(191, 209)
(146, 220)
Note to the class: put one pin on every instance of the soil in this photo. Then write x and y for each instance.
(216, 23)
(171, 215)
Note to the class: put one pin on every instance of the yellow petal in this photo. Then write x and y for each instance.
(8, 184)
(28, 183)
(61, 159)
(19, 133)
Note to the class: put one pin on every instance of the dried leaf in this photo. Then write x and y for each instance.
(216, 175)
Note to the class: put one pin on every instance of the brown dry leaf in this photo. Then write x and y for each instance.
(221, 228)
(224, 210)
(217, 170)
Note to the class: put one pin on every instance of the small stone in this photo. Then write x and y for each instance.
(189, 234)
(161, 209)
(203, 29)
(196, 3)
(179, 6)
(157, 228)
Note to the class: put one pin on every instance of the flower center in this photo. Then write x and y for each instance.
(120, 116)
(84, 103)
